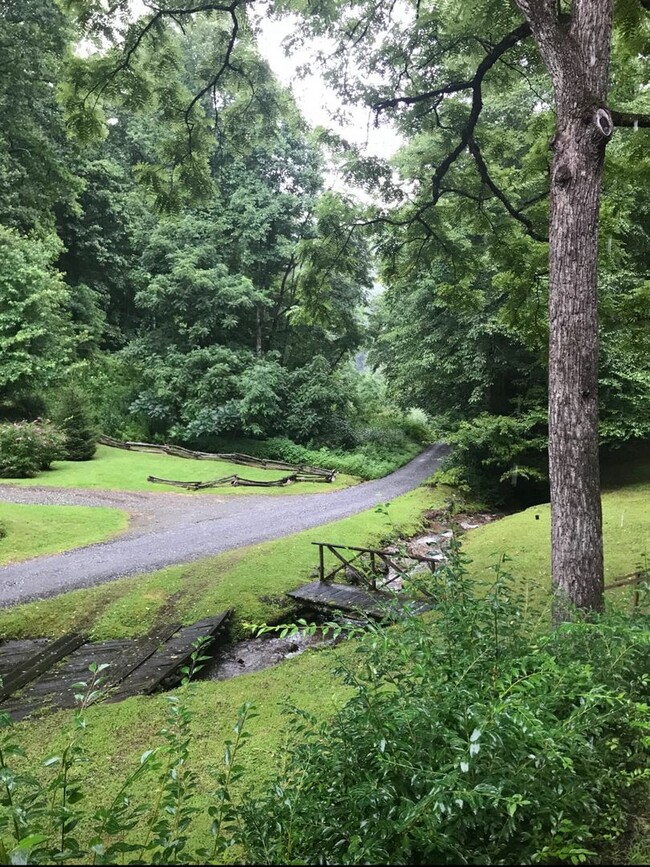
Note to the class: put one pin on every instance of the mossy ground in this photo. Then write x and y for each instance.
(119, 470)
(35, 530)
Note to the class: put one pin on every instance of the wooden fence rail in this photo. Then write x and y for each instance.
(297, 472)
(372, 556)
(631, 580)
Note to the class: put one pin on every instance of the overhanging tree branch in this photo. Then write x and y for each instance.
(501, 196)
(211, 85)
(630, 118)
(508, 41)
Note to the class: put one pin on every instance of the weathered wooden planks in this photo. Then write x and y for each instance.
(15, 653)
(168, 658)
(342, 597)
(45, 675)
(38, 663)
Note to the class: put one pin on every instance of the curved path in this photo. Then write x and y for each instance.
(168, 529)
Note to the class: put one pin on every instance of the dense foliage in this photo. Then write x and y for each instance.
(190, 296)
(233, 306)
(75, 423)
(468, 739)
(27, 448)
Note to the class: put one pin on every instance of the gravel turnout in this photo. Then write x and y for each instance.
(168, 529)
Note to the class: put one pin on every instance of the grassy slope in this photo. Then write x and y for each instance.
(116, 469)
(252, 580)
(35, 530)
(525, 536)
(119, 733)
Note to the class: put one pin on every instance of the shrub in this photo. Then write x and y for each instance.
(499, 459)
(26, 448)
(466, 742)
(368, 460)
(73, 415)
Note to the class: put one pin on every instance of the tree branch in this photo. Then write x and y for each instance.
(508, 41)
(630, 118)
(501, 196)
(211, 85)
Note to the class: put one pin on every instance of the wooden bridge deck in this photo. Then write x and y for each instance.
(38, 675)
(354, 600)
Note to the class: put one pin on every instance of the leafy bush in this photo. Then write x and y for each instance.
(27, 448)
(367, 461)
(73, 415)
(499, 458)
(466, 742)
(3, 531)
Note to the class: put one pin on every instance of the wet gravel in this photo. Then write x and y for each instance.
(169, 529)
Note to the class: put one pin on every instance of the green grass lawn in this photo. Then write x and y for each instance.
(249, 579)
(252, 580)
(117, 469)
(35, 530)
(526, 537)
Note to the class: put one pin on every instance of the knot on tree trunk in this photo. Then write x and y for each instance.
(603, 124)
(562, 175)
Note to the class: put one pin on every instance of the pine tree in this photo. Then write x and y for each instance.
(74, 419)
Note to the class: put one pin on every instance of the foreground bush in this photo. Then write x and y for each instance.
(467, 741)
(27, 448)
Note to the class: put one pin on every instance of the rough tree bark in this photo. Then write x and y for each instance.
(577, 58)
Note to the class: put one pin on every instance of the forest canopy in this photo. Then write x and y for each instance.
(175, 244)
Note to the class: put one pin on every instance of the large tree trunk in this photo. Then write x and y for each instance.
(577, 58)
(576, 519)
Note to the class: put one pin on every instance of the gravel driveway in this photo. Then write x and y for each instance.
(167, 528)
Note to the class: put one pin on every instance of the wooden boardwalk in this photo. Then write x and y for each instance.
(367, 571)
(355, 600)
(38, 675)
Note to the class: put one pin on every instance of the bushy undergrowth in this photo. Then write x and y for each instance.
(471, 737)
(27, 448)
(467, 741)
(373, 450)
(370, 460)
(500, 460)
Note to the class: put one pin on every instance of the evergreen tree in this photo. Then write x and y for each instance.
(74, 419)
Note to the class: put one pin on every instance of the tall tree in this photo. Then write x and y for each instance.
(576, 54)
(435, 61)
(35, 171)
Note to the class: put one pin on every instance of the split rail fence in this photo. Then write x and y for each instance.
(297, 472)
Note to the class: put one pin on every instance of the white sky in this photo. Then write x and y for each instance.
(316, 101)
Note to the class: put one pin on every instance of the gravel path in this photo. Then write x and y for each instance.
(167, 528)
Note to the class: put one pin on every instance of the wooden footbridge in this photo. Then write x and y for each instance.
(368, 588)
(39, 674)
